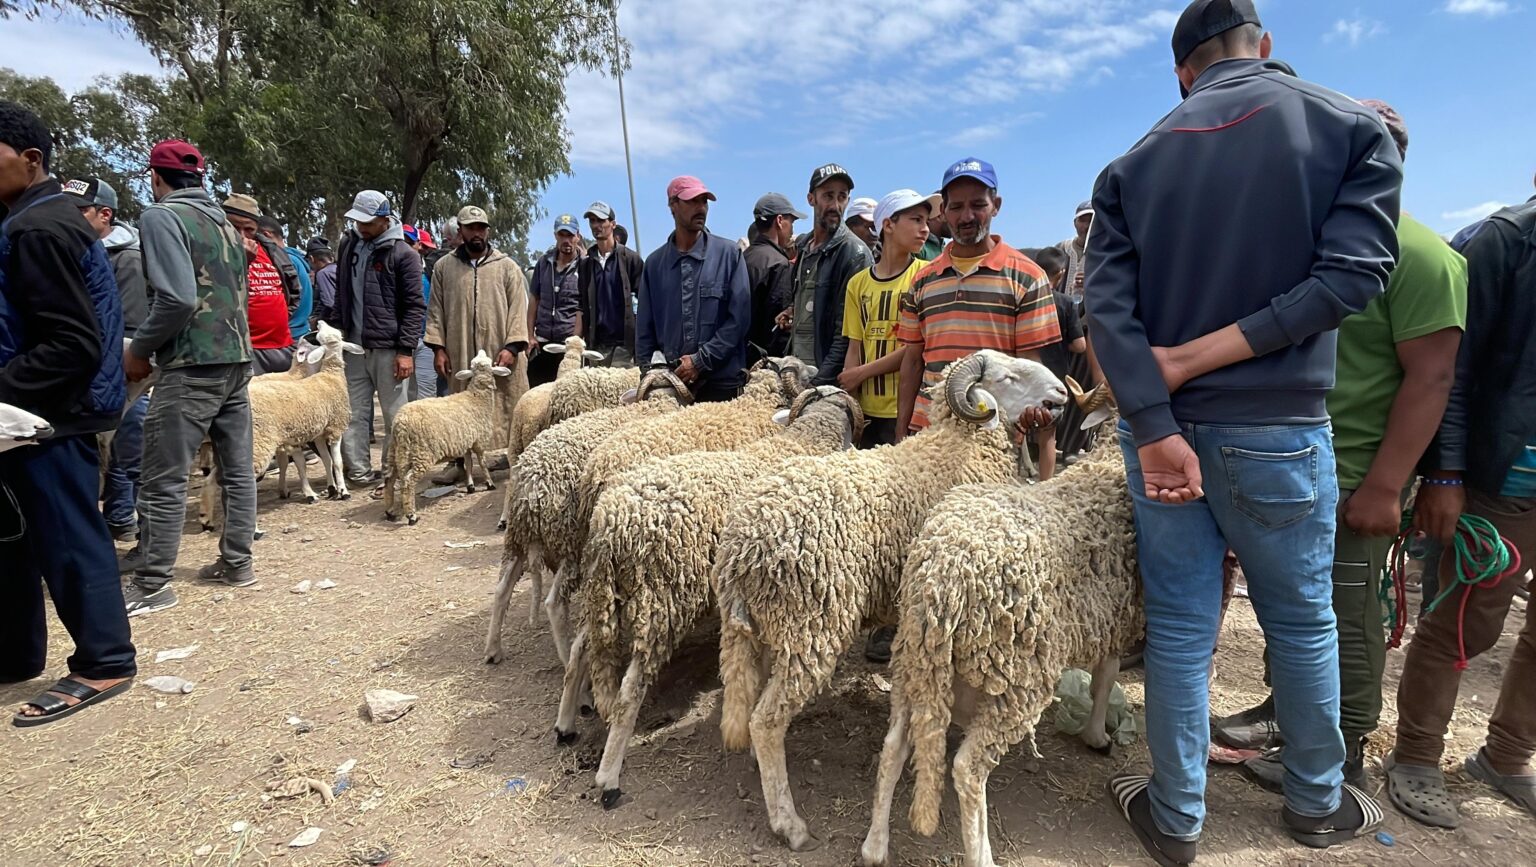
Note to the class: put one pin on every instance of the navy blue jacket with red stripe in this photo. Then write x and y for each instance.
(1262, 200)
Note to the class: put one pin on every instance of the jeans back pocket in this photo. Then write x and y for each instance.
(1273, 489)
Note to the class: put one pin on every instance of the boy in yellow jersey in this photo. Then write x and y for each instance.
(873, 309)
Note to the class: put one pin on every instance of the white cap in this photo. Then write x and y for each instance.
(860, 208)
(368, 206)
(895, 203)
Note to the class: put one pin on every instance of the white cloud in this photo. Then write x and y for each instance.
(814, 71)
(71, 49)
(1476, 212)
(1354, 31)
(1489, 8)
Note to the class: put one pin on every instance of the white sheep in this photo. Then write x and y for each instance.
(645, 568)
(435, 429)
(542, 532)
(1007, 586)
(530, 417)
(288, 412)
(592, 388)
(815, 548)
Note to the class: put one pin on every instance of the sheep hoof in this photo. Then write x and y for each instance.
(282, 495)
(611, 798)
(587, 711)
(207, 527)
(345, 495)
(1106, 750)
(493, 657)
(412, 520)
(311, 499)
(256, 535)
(565, 739)
(501, 525)
(330, 491)
(805, 843)
(390, 516)
(469, 489)
(490, 485)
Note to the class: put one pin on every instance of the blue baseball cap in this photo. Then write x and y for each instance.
(970, 167)
(566, 223)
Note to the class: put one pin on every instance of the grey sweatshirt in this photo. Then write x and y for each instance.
(168, 267)
(128, 267)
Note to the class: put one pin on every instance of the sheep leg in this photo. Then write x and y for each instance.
(893, 757)
(282, 473)
(407, 496)
(570, 693)
(323, 450)
(781, 701)
(974, 762)
(511, 568)
(506, 507)
(338, 472)
(621, 727)
(207, 502)
(1104, 674)
(555, 606)
(485, 467)
(301, 469)
(468, 459)
(536, 598)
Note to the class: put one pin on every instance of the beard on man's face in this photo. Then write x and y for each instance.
(475, 246)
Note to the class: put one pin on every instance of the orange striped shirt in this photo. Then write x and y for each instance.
(1005, 304)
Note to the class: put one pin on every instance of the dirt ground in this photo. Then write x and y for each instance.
(153, 779)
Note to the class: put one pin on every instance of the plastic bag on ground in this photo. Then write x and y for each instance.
(1074, 702)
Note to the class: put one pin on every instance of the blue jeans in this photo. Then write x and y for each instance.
(121, 490)
(1271, 495)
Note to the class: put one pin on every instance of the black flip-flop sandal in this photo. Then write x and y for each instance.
(1326, 833)
(1128, 792)
(54, 708)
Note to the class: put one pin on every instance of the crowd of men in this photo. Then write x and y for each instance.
(1290, 363)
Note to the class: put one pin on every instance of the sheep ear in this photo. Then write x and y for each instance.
(463, 374)
(781, 417)
(555, 348)
(629, 397)
(351, 348)
(313, 355)
(1098, 417)
(501, 371)
(592, 355)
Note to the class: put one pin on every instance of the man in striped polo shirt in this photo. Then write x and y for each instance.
(978, 294)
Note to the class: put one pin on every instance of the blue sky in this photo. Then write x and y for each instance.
(752, 96)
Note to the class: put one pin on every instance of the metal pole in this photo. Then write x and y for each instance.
(618, 69)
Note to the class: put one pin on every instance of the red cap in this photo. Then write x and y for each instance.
(426, 239)
(176, 154)
(687, 188)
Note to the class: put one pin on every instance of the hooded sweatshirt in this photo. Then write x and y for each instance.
(128, 267)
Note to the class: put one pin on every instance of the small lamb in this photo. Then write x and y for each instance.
(432, 430)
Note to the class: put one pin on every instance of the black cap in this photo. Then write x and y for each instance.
(827, 173)
(1205, 19)
(317, 245)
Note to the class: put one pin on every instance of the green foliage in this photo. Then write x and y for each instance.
(304, 103)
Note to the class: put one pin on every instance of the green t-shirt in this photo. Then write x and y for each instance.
(1426, 293)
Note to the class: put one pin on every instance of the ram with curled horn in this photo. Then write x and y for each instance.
(813, 552)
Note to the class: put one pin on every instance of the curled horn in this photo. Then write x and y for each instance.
(959, 387)
(854, 409)
(1090, 400)
(803, 400)
(757, 365)
(657, 377)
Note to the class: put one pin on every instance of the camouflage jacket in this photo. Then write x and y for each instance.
(196, 267)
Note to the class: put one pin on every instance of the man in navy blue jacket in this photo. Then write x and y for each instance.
(695, 301)
(61, 357)
(1226, 247)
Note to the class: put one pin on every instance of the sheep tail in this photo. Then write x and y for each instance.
(740, 652)
(923, 657)
(600, 611)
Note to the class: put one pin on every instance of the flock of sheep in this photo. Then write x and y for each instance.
(647, 514)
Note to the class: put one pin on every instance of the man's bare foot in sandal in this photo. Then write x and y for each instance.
(66, 697)
(1419, 793)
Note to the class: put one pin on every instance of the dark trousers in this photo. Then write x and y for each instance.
(542, 366)
(120, 493)
(878, 432)
(53, 533)
(716, 392)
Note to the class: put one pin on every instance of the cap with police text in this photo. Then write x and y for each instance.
(566, 223)
(91, 193)
(176, 154)
(970, 167)
(686, 188)
(1206, 19)
(472, 215)
(241, 205)
(369, 206)
(775, 205)
(829, 172)
(600, 210)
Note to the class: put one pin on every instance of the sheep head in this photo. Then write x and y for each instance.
(574, 350)
(333, 343)
(482, 371)
(847, 402)
(659, 381)
(981, 387)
